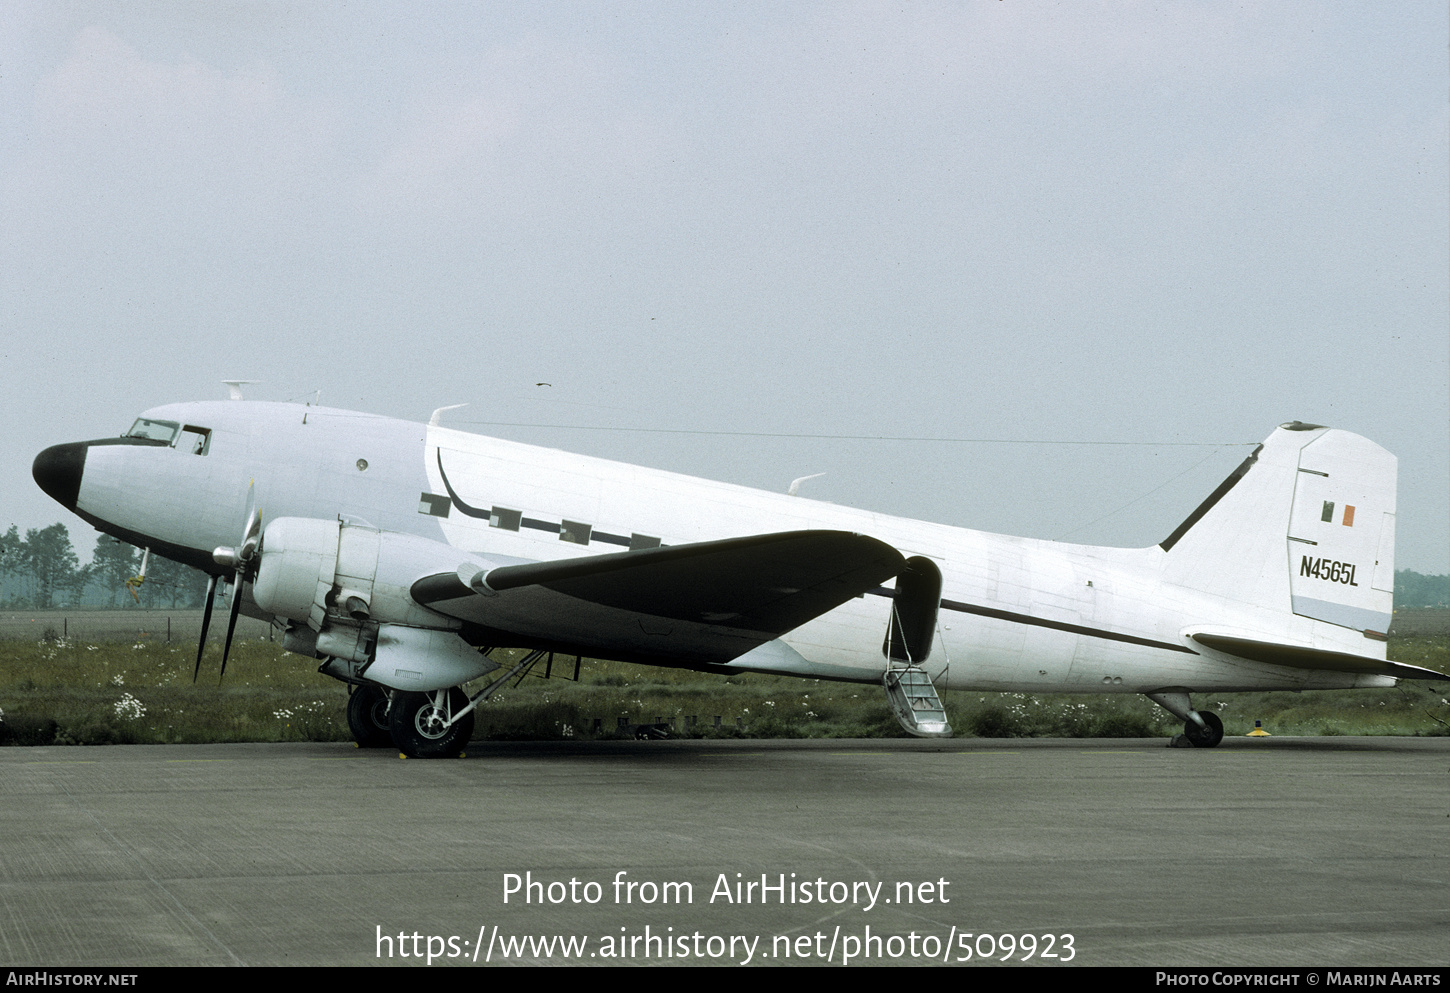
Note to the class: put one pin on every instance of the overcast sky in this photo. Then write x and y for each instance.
(1175, 224)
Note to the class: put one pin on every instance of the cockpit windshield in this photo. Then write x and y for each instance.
(145, 427)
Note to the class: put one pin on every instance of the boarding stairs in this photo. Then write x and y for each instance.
(914, 700)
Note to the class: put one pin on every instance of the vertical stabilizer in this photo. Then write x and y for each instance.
(1306, 524)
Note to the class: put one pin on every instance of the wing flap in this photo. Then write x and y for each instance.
(705, 602)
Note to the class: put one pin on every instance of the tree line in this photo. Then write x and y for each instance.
(41, 571)
(1412, 589)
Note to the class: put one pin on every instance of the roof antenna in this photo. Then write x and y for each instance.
(234, 386)
(433, 421)
(795, 486)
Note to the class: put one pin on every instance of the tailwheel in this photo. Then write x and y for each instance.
(367, 717)
(1208, 735)
(419, 724)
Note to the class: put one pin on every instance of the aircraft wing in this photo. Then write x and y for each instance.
(1306, 657)
(707, 602)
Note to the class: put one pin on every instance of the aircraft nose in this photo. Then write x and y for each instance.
(58, 469)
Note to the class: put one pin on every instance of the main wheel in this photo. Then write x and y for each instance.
(418, 729)
(367, 717)
(1209, 735)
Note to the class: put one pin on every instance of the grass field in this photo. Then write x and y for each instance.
(180, 627)
(90, 692)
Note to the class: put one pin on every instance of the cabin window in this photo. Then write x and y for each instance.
(575, 532)
(151, 430)
(195, 440)
(502, 517)
(434, 504)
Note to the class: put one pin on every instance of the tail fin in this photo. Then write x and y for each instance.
(1306, 524)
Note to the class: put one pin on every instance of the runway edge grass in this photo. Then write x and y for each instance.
(75, 692)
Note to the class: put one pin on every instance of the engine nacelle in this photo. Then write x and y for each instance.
(347, 587)
(324, 573)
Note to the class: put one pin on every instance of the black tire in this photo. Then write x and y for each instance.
(416, 726)
(1209, 735)
(367, 718)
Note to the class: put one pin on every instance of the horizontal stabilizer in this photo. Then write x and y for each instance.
(1306, 657)
(705, 603)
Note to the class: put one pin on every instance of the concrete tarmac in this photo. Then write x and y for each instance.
(1279, 851)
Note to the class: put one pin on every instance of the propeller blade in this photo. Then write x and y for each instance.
(205, 623)
(253, 537)
(253, 519)
(231, 623)
(241, 558)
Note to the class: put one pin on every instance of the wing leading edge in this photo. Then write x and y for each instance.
(708, 602)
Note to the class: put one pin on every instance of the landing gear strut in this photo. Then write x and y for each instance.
(367, 717)
(420, 728)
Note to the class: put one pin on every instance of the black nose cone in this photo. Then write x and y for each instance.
(58, 471)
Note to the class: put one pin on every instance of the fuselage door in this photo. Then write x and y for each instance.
(912, 627)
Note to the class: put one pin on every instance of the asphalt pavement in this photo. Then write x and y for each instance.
(1280, 851)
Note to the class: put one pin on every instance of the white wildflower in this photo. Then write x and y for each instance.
(129, 708)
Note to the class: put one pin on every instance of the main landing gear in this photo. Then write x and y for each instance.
(416, 724)
(420, 728)
(437, 724)
(367, 717)
(1202, 728)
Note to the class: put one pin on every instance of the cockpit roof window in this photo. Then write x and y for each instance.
(145, 427)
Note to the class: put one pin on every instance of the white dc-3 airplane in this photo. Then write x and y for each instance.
(401, 554)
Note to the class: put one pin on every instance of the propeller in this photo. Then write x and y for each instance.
(242, 559)
(205, 623)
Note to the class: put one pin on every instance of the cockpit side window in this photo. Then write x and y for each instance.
(195, 440)
(145, 427)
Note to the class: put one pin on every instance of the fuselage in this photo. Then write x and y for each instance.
(1016, 614)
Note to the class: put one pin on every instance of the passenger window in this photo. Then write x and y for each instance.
(575, 532)
(195, 440)
(502, 517)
